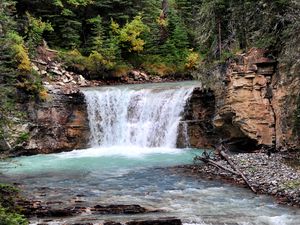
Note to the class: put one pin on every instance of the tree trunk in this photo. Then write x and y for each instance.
(225, 156)
(165, 8)
(220, 38)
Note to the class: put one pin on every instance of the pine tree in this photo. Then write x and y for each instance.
(212, 24)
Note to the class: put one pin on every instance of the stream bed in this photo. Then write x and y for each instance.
(143, 176)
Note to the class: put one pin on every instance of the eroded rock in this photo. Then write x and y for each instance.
(59, 123)
(196, 128)
(245, 110)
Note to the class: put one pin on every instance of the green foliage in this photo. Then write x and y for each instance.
(97, 33)
(94, 64)
(8, 218)
(7, 10)
(19, 52)
(74, 60)
(23, 137)
(9, 211)
(294, 185)
(130, 33)
(8, 195)
(34, 31)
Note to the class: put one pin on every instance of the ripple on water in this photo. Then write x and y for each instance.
(141, 181)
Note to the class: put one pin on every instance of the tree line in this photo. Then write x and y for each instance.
(159, 36)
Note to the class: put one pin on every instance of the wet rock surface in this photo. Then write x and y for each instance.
(49, 214)
(166, 221)
(43, 209)
(196, 128)
(58, 124)
(267, 174)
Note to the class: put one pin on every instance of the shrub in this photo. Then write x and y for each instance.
(193, 60)
(19, 52)
(35, 29)
(7, 218)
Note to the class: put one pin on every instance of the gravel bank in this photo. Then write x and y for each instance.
(268, 175)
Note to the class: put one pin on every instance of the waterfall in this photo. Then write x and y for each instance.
(126, 116)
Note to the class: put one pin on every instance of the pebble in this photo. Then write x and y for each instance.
(269, 175)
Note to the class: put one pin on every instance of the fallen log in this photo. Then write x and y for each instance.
(215, 164)
(235, 167)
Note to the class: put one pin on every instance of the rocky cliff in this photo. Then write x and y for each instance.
(58, 124)
(196, 128)
(255, 109)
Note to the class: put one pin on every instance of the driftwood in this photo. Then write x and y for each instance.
(215, 164)
(235, 167)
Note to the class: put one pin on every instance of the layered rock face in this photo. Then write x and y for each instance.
(58, 124)
(196, 128)
(251, 110)
(286, 93)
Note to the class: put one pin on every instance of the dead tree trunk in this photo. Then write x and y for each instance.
(235, 167)
(215, 164)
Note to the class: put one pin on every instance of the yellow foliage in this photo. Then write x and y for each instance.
(137, 45)
(43, 94)
(160, 69)
(21, 57)
(192, 60)
(74, 53)
(130, 33)
(114, 26)
(162, 21)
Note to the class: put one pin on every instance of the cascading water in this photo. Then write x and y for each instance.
(143, 118)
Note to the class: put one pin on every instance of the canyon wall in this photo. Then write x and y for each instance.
(58, 124)
(256, 107)
(196, 128)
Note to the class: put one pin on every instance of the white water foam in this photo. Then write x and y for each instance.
(130, 117)
(125, 151)
(275, 220)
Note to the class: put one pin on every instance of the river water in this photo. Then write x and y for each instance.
(131, 161)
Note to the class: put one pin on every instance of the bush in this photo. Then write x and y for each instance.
(34, 31)
(193, 59)
(121, 70)
(7, 218)
(19, 52)
(74, 60)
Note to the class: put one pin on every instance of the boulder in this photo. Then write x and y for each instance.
(118, 209)
(164, 221)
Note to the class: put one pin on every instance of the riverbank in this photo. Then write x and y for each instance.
(270, 175)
